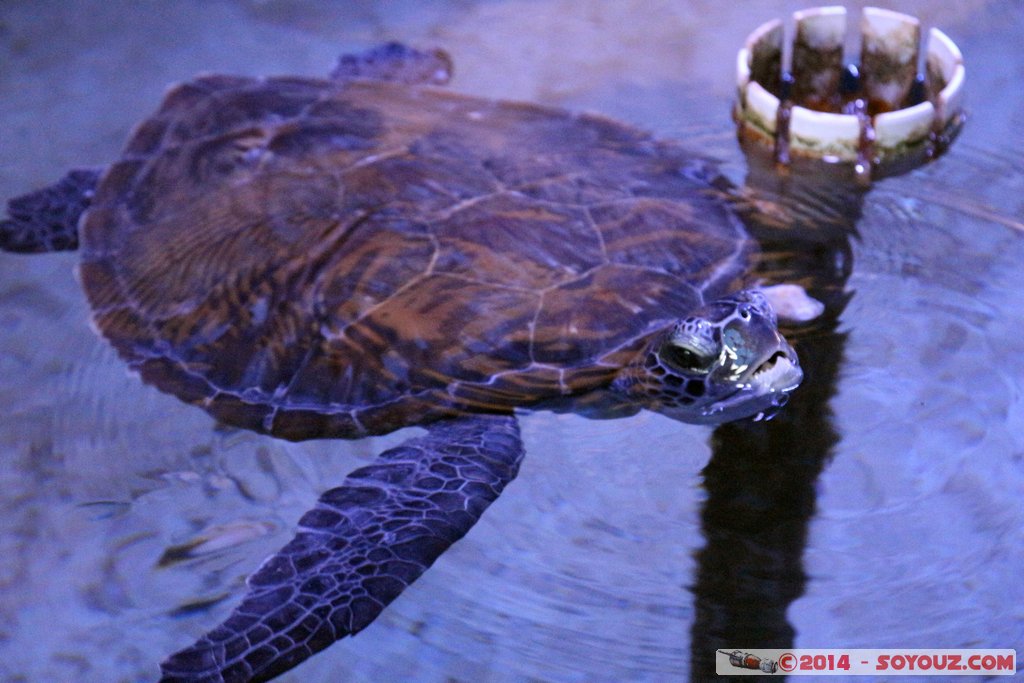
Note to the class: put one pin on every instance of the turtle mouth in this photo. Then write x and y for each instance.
(780, 372)
(763, 392)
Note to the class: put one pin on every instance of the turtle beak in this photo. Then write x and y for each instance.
(763, 390)
(778, 372)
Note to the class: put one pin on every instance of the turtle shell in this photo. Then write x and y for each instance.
(317, 259)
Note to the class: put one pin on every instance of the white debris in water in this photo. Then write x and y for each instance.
(792, 303)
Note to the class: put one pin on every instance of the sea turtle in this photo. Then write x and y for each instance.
(332, 258)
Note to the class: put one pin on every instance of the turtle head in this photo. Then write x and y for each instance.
(725, 362)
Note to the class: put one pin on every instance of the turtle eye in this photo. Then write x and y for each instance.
(686, 358)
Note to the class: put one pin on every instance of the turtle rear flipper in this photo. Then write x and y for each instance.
(396, 63)
(47, 219)
(358, 549)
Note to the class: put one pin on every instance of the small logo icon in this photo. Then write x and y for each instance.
(745, 660)
(787, 661)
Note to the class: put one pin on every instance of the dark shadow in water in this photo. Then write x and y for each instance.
(760, 480)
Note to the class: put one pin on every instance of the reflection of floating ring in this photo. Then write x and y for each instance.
(787, 661)
(810, 109)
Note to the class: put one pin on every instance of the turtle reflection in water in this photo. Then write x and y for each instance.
(336, 258)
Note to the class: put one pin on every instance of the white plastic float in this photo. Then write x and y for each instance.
(818, 106)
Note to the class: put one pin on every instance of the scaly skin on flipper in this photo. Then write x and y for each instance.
(47, 219)
(358, 549)
(396, 63)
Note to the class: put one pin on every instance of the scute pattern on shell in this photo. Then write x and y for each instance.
(314, 259)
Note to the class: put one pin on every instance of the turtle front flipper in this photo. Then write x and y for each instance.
(47, 219)
(358, 549)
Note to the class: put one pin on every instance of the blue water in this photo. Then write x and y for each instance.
(626, 550)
